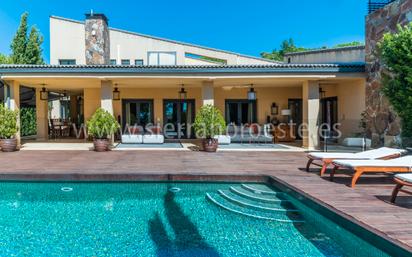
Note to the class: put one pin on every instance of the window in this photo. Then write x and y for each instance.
(204, 58)
(113, 62)
(125, 62)
(162, 58)
(67, 62)
(137, 113)
(240, 112)
(138, 62)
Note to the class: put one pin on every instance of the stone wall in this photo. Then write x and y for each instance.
(97, 39)
(383, 123)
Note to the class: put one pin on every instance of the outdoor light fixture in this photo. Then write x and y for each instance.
(182, 93)
(251, 94)
(274, 110)
(116, 94)
(44, 94)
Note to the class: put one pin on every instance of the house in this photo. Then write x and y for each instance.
(143, 79)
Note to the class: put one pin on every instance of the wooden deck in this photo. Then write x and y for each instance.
(366, 204)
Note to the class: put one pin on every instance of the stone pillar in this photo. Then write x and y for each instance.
(208, 93)
(97, 39)
(311, 104)
(382, 121)
(13, 102)
(42, 117)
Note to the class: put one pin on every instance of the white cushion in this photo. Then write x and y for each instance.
(405, 177)
(132, 139)
(153, 139)
(403, 162)
(367, 155)
(356, 142)
(223, 139)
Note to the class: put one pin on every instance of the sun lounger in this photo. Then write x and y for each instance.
(326, 159)
(401, 180)
(401, 164)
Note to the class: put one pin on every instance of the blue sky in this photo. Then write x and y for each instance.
(243, 26)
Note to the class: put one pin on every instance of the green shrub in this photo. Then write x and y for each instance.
(8, 123)
(396, 53)
(102, 124)
(28, 121)
(209, 122)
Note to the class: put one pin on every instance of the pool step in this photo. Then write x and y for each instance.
(260, 189)
(248, 203)
(257, 197)
(284, 217)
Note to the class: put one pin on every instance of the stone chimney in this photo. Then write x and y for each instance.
(97, 39)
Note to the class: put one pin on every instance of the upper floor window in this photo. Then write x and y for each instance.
(162, 58)
(138, 62)
(67, 62)
(113, 62)
(125, 62)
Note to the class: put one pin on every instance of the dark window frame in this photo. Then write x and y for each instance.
(239, 110)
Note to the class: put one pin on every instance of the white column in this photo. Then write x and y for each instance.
(311, 104)
(208, 93)
(106, 95)
(13, 102)
(42, 117)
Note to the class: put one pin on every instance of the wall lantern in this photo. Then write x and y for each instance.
(44, 94)
(116, 94)
(251, 94)
(274, 110)
(182, 93)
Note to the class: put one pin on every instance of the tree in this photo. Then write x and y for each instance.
(354, 43)
(26, 49)
(19, 43)
(396, 52)
(287, 46)
(4, 59)
(33, 49)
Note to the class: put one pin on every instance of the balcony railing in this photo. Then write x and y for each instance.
(374, 5)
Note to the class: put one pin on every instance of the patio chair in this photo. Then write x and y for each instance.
(401, 180)
(401, 164)
(326, 159)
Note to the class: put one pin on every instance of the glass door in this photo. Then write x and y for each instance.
(137, 113)
(329, 116)
(296, 107)
(178, 118)
(240, 112)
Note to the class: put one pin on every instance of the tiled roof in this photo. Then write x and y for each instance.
(278, 68)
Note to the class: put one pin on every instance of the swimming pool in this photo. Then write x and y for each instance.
(165, 219)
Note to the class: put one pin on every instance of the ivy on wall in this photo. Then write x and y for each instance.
(396, 53)
(28, 121)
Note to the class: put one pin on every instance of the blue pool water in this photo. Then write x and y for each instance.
(165, 219)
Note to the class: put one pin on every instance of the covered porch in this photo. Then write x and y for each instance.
(302, 101)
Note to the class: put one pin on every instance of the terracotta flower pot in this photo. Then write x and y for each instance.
(101, 145)
(210, 145)
(8, 145)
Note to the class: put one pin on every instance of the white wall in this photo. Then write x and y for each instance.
(67, 41)
(339, 55)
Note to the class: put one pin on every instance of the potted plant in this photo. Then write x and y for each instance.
(101, 126)
(209, 123)
(8, 129)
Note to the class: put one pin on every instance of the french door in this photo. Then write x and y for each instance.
(137, 112)
(240, 112)
(296, 108)
(178, 117)
(329, 115)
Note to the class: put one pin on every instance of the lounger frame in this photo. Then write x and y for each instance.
(367, 169)
(325, 162)
(399, 188)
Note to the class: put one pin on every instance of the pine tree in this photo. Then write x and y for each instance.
(19, 43)
(33, 53)
(26, 49)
